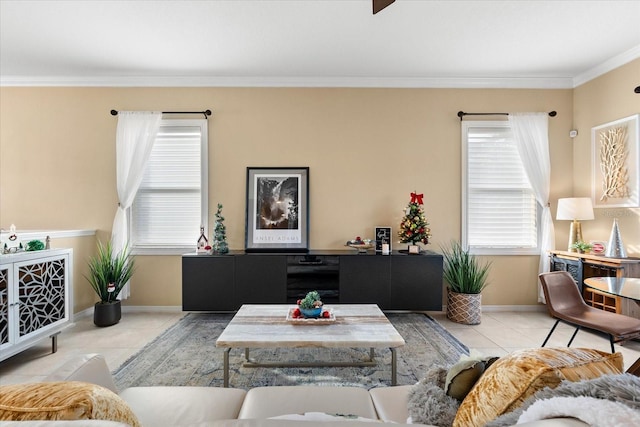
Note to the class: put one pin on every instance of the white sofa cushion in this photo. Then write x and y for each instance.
(88, 368)
(391, 403)
(183, 406)
(266, 402)
(74, 423)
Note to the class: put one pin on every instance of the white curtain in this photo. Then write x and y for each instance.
(135, 135)
(531, 132)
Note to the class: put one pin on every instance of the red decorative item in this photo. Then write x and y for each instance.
(417, 198)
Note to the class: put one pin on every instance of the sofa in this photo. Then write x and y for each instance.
(96, 398)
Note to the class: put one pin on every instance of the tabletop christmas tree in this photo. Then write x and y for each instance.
(220, 245)
(414, 227)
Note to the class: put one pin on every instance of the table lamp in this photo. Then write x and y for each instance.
(574, 209)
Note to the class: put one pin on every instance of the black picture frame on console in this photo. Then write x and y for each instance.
(277, 210)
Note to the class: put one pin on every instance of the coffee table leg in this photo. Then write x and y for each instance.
(225, 380)
(394, 379)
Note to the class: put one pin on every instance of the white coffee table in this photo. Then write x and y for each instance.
(266, 326)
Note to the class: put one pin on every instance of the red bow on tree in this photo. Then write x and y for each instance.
(416, 198)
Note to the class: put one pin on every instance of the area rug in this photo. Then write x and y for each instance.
(186, 355)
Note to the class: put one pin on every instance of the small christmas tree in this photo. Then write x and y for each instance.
(414, 227)
(220, 245)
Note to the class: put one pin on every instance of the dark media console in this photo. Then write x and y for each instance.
(394, 282)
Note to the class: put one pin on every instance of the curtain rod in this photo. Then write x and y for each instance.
(205, 112)
(461, 114)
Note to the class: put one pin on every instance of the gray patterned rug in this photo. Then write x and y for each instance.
(186, 355)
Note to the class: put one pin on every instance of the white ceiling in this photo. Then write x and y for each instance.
(411, 43)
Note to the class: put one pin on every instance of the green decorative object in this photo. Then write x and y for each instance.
(466, 278)
(311, 300)
(462, 271)
(35, 245)
(109, 272)
(582, 247)
(414, 227)
(219, 245)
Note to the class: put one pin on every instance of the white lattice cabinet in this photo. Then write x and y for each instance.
(35, 298)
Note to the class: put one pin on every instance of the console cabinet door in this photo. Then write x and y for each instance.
(416, 282)
(261, 279)
(208, 283)
(364, 279)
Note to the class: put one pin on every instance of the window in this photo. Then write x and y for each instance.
(500, 213)
(171, 203)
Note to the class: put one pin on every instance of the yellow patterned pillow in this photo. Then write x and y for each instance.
(63, 400)
(512, 378)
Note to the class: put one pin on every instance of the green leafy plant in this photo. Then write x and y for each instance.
(582, 246)
(463, 272)
(312, 300)
(34, 245)
(108, 273)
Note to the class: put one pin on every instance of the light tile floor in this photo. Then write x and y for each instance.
(498, 334)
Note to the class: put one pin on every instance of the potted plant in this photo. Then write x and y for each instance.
(466, 277)
(108, 273)
(582, 247)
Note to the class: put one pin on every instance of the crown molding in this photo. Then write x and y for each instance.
(356, 82)
(606, 66)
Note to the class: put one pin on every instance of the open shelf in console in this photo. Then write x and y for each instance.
(307, 273)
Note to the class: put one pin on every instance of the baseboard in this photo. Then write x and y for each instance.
(178, 309)
(498, 308)
(151, 308)
(135, 309)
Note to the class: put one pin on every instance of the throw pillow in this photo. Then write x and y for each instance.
(623, 388)
(462, 376)
(63, 400)
(513, 378)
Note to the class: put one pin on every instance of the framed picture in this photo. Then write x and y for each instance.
(382, 234)
(598, 247)
(615, 169)
(277, 218)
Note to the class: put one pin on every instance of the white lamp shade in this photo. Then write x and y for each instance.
(571, 208)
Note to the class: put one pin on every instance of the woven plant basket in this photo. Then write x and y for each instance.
(464, 308)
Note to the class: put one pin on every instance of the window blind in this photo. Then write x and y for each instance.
(168, 208)
(501, 209)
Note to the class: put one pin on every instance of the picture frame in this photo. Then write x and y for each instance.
(598, 247)
(615, 163)
(382, 233)
(277, 209)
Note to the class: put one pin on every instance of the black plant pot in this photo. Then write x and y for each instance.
(107, 313)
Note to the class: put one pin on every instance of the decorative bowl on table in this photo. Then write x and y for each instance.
(360, 245)
(310, 313)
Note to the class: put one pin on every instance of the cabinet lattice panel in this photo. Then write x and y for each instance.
(4, 306)
(41, 294)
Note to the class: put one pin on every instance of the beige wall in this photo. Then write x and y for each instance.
(597, 102)
(367, 149)
(83, 247)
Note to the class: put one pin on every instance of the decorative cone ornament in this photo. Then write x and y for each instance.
(615, 247)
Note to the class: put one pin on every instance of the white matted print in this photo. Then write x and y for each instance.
(615, 167)
(277, 217)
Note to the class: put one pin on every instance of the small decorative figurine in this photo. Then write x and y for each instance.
(203, 243)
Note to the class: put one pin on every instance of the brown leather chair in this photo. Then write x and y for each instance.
(564, 302)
